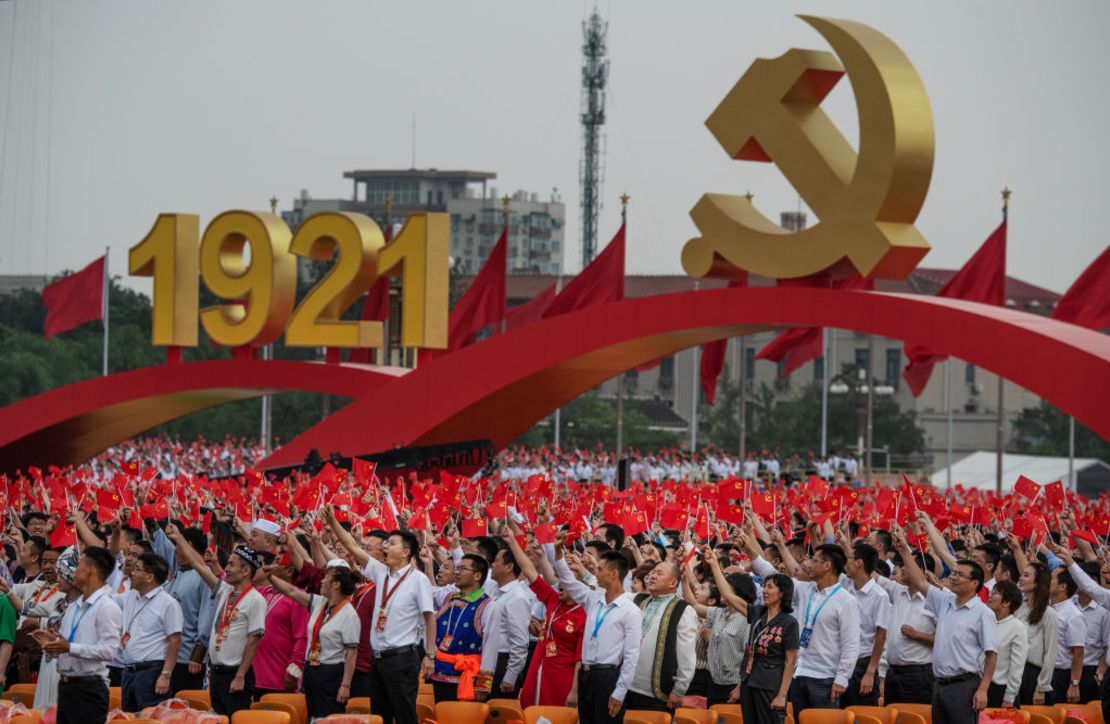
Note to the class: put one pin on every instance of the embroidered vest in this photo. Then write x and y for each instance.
(664, 664)
(462, 621)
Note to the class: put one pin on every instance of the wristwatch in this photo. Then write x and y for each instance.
(167, 674)
(430, 657)
(1075, 682)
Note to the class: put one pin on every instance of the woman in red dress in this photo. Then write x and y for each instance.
(552, 678)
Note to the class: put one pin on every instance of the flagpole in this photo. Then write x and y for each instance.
(505, 201)
(620, 377)
(694, 396)
(1072, 482)
(104, 307)
(948, 412)
(558, 410)
(1001, 429)
(825, 392)
(268, 354)
(742, 411)
(870, 409)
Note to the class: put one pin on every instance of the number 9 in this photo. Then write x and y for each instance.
(263, 290)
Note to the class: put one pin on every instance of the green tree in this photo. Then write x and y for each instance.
(1043, 430)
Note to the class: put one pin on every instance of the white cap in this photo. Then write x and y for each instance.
(266, 526)
(338, 563)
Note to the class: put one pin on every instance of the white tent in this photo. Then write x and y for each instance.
(977, 470)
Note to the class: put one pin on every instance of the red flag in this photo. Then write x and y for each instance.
(1054, 494)
(1087, 300)
(602, 282)
(482, 304)
(109, 500)
(713, 354)
(982, 279)
(531, 311)
(1025, 486)
(474, 528)
(797, 346)
(62, 536)
(74, 300)
(545, 533)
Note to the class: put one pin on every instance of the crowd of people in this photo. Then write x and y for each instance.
(154, 573)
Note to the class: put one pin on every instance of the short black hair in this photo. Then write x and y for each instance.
(156, 566)
(509, 559)
(1009, 564)
(1065, 579)
(992, 552)
(1091, 568)
(614, 534)
(487, 548)
(785, 584)
(346, 577)
(598, 546)
(480, 565)
(408, 540)
(145, 545)
(38, 545)
(867, 555)
(131, 534)
(101, 559)
(885, 539)
(35, 515)
(614, 559)
(977, 573)
(378, 533)
(742, 585)
(196, 538)
(1011, 596)
(835, 555)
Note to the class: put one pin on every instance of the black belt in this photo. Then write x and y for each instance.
(221, 669)
(911, 667)
(66, 679)
(600, 667)
(142, 666)
(389, 653)
(942, 680)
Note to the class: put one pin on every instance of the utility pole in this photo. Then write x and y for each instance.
(742, 400)
(870, 410)
(267, 400)
(620, 377)
(1001, 430)
(595, 76)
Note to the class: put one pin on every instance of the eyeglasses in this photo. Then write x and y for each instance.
(959, 574)
(460, 569)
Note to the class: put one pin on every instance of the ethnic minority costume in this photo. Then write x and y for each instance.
(551, 672)
(459, 634)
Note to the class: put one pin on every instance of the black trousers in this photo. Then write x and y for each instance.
(952, 702)
(909, 684)
(995, 693)
(1061, 680)
(446, 691)
(394, 681)
(360, 684)
(595, 687)
(1104, 695)
(82, 700)
(1088, 685)
(641, 702)
(499, 675)
(852, 695)
(1029, 686)
(182, 679)
(718, 693)
(224, 701)
(137, 691)
(756, 706)
(321, 689)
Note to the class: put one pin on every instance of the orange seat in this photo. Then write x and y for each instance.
(358, 705)
(1039, 719)
(144, 721)
(502, 710)
(925, 711)
(685, 715)
(366, 718)
(908, 717)
(1093, 709)
(1054, 714)
(885, 714)
(461, 712)
(651, 717)
(20, 694)
(866, 719)
(727, 709)
(826, 716)
(729, 717)
(198, 699)
(297, 701)
(294, 715)
(555, 714)
(424, 710)
(32, 718)
(1009, 712)
(260, 716)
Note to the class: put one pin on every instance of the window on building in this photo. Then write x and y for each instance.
(439, 198)
(780, 369)
(749, 364)
(666, 372)
(863, 359)
(819, 369)
(893, 367)
(969, 374)
(429, 198)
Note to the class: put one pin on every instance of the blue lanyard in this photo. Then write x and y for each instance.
(77, 622)
(601, 614)
(809, 603)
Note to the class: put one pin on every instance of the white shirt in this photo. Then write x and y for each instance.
(1088, 585)
(247, 618)
(1042, 644)
(93, 630)
(1072, 631)
(964, 632)
(612, 634)
(874, 612)
(406, 607)
(684, 651)
(1097, 619)
(907, 609)
(148, 621)
(1011, 636)
(339, 632)
(833, 615)
(506, 632)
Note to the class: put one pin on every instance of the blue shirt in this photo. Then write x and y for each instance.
(964, 633)
(191, 592)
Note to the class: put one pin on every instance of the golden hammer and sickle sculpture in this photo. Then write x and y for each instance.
(866, 203)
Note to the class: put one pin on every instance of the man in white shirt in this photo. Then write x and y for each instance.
(666, 663)
(909, 645)
(1100, 595)
(874, 620)
(1071, 638)
(505, 641)
(965, 651)
(828, 619)
(87, 639)
(402, 605)
(1097, 619)
(611, 639)
(152, 622)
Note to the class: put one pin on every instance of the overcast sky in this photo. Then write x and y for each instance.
(114, 111)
